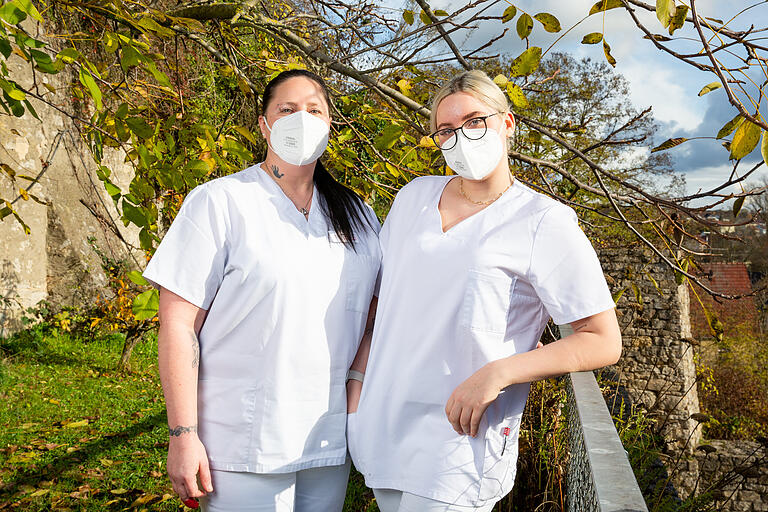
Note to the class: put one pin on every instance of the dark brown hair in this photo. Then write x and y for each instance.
(342, 206)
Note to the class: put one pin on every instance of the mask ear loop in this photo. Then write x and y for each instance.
(269, 128)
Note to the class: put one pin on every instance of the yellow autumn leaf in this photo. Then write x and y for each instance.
(76, 424)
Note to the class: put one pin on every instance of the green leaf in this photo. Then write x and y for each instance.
(122, 111)
(764, 147)
(139, 126)
(408, 17)
(153, 26)
(198, 167)
(709, 88)
(136, 277)
(161, 77)
(12, 14)
(43, 61)
(5, 48)
(669, 143)
(145, 239)
(130, 57)
(234, 147)
(527, 62)
(608, 56)
(68, 55)
(638, 295)
(509, 14)
(744, 140)
(146, 305)
(550, 22)
(592, 38)
(246, 133)
(86, 78)
(500, 80)
(678, 19)
(31, 109)
(665, 9)
(616, 296)
(389, 135)
(604, 5)
(516, 96)
(731, 125)
(440, 13)
(424, 17)
(737, 204)
(27, 7)
(10, 89)
(524, 26)
(134, 214)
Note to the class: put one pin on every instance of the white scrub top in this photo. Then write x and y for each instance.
(450, 303)
(287, 305)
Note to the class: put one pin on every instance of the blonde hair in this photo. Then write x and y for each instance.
(475, 83)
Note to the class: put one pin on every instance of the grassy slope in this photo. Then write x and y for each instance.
(75, 435)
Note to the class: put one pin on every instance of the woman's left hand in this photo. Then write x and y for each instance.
(471, 398)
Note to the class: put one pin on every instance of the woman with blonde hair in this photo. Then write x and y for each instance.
(474, 265)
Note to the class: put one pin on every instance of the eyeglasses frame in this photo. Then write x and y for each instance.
(434, 138)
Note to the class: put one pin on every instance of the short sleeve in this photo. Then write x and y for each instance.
(191, 257)
(564, 268)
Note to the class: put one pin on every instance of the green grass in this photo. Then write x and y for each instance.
(76, 435)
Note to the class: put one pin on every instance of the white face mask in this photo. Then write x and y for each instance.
(299, 138)
(475, 159)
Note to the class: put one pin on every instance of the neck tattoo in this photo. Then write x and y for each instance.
(276, 171)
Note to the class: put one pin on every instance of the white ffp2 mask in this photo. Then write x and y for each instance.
(475, 159)
(299, 138)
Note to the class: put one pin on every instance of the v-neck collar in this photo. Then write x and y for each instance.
(512, 190)
(282, 200)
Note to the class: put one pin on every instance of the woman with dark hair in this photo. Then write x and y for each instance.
(266, 278)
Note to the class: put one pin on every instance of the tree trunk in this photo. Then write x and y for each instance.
(131, 339)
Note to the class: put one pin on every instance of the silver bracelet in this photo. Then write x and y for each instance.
(355, 375)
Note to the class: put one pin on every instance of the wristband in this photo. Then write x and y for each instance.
(355, 375)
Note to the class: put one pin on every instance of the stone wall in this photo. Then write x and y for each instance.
(743, 467)
(657, 366)
(657, 370)
(56, 260)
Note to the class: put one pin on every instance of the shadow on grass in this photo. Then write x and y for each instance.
(88, 451)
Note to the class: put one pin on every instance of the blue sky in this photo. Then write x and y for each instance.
(656, 78)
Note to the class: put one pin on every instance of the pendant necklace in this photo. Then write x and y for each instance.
(304, 209)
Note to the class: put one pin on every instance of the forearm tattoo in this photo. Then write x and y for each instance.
(276, 171)
(179, 429)
(195, 350)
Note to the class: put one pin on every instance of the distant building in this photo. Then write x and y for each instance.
(738, 316)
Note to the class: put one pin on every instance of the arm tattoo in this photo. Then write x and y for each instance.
(276, 171)
(195, 350)
(176, 432)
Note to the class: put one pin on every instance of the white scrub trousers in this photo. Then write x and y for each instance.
(308, 490)
(391, 500)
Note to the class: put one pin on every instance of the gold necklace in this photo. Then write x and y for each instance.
(483, 203)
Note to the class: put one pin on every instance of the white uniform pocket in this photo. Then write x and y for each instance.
(486, 302)
(500, 458)
(361, 278)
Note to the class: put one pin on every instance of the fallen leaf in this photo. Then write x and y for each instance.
(76, 424)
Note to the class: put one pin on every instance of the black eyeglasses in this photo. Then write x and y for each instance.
(472, 129)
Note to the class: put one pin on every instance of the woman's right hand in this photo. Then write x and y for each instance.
(187, 459)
